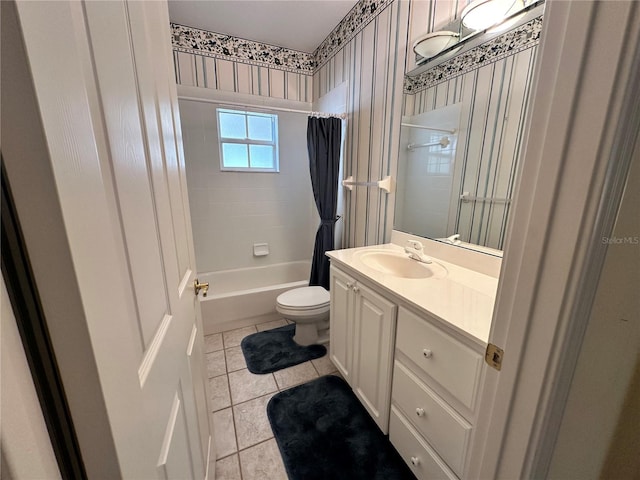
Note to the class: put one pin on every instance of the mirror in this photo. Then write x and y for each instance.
(462, 128)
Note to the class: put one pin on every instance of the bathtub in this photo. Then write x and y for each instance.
(247, 296)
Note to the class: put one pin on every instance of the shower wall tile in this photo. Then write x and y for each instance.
(233, 210)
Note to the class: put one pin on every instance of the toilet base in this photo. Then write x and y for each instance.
(306, 334)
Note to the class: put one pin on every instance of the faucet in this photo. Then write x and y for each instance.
(453, 239)
(416, 252)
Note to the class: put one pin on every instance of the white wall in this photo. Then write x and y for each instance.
(608, 360)
(233, 210)
(26, 448)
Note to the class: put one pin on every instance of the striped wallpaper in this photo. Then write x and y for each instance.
(239, 77)
(372, 65)
(494, 101)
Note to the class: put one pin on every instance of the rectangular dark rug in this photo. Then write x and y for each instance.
(273, 350)
(323, 432)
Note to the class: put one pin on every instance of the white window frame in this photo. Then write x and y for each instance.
(249, 141)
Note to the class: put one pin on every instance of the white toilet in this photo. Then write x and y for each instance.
(308, 308)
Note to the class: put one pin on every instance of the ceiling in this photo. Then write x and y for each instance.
(296, 24)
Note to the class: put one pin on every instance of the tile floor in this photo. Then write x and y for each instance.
(242, 434)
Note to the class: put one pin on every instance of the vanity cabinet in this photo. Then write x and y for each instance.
(436, 379)
(362, 338)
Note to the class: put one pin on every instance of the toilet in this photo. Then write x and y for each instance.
(308, 308)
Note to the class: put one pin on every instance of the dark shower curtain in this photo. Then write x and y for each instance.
(323, 143)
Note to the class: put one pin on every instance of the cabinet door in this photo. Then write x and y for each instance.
(341, 331)
(373, 339)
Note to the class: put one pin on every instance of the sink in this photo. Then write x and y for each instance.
(400, 265)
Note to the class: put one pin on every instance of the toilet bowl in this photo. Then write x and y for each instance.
(308, 308)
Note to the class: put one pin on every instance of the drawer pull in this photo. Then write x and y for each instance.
(415, 461)
(420, 412)
(427, 353)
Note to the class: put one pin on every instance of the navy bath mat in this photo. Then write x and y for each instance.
(273, 350)
(323, 432)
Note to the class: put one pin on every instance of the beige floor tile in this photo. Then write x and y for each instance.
(295, 375)
(269, 325)
(228, 468)
(219, 393)
(215, 363)
(247, 386)
(263, 461)
(324, 365)
(233, 338)
(252, 423)
(224, 432)
(213, 343)
(235, 359)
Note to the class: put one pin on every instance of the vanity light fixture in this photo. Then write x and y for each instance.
(482, 14)
(431, 44)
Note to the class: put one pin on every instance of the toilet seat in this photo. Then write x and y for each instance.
(304, 299)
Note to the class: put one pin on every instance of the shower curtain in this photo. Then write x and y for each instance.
(323, 143)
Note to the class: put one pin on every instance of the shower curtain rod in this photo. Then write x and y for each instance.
(264, 107)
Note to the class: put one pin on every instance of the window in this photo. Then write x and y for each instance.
(248, 141)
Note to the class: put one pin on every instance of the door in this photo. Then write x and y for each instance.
(341, 331)
(109, 111)
(373, 342)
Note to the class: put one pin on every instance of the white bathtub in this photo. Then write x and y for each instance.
(247, 296)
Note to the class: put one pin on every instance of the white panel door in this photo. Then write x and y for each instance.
(341, 318)
(150, 359)
(373, 340)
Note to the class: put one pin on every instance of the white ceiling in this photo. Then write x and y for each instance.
(296, 24)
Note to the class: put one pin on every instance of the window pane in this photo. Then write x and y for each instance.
(261, 156)
(234, 155)
(232, 125)
(260, 128)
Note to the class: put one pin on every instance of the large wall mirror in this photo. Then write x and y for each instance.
(462, 128)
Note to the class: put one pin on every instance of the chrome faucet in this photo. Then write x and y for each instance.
(453, 239)
(416, 252)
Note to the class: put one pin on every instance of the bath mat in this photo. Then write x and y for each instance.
(323, 432)
(273, 350)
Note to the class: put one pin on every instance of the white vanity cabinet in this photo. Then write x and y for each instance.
(362, 337)
(436, 379)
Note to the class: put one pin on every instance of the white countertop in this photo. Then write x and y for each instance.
(463, 299)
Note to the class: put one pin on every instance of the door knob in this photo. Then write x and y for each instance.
(197, 286)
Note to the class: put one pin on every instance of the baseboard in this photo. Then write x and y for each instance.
(244, 322)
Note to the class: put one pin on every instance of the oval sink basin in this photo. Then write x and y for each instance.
(400, 265)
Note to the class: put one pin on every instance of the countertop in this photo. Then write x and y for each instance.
(463, 299)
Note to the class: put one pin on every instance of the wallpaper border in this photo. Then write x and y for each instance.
(210, 44)
(358, 17)
(505, 45)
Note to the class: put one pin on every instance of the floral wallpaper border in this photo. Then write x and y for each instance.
(210, 44)
(509, 43)
(358, 17)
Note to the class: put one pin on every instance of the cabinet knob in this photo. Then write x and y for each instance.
(427, 353)
(420, 412)
(349, 285)
(415, 461)
(356, 289)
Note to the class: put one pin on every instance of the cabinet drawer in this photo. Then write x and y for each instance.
(443, 428)
(450, 363)
(422, 460)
